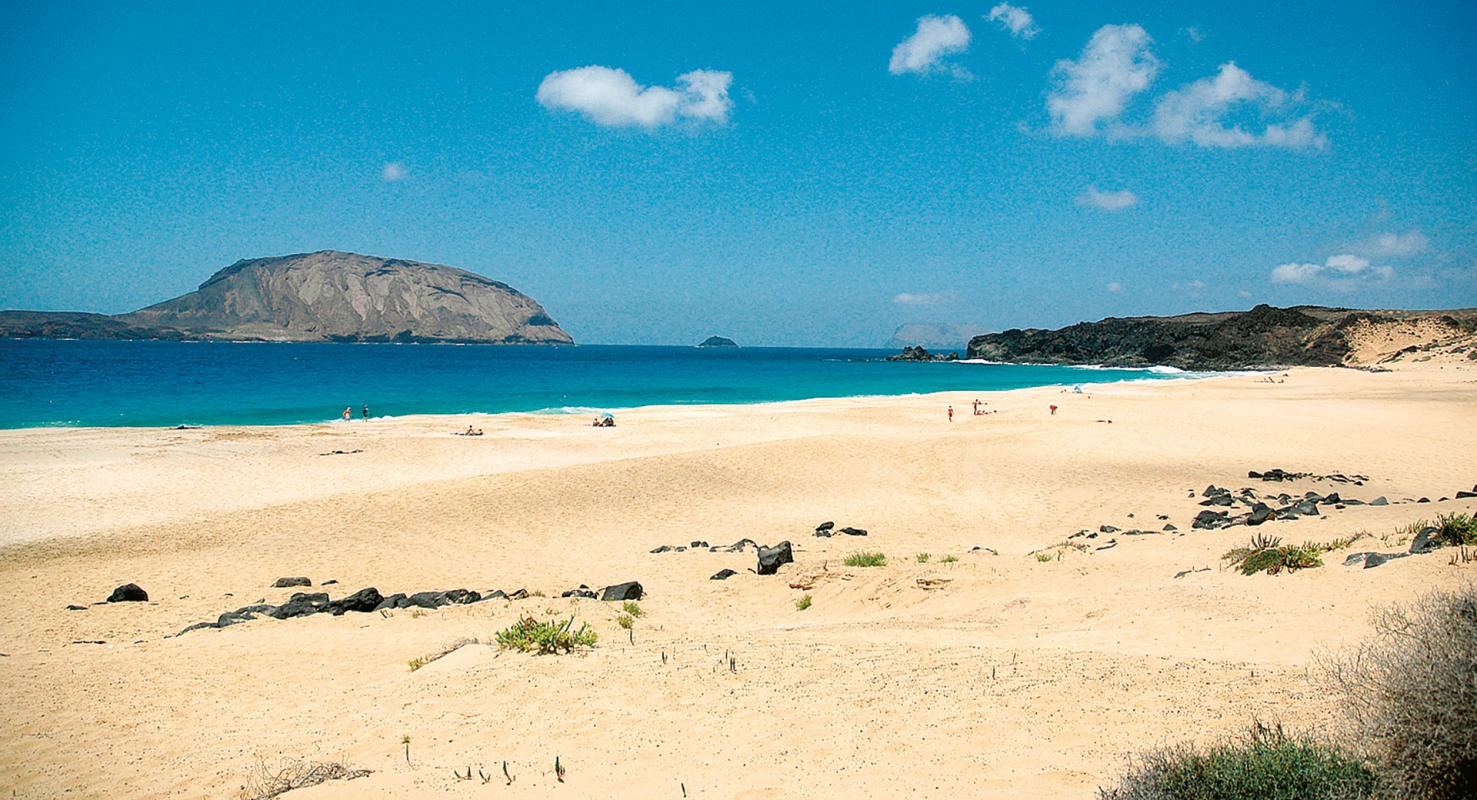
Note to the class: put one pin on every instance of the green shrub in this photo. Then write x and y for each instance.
(923, 558)
(865, 559)
(1268, 554)
(529, 635)
(948, 559)
(803, 603)
(1410, 693)
(632, 607)
(1266, 764)
(625, 621)
(1456, 529)
(1044, 557)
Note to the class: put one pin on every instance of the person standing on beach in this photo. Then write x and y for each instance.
(1053, 411)
(348, 413)
(951, 413)
(366, 411)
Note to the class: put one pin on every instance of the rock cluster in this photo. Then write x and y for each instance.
(919, 353)
(736, 547)
(303, 604)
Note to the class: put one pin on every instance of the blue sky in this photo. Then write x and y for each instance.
(783, 174)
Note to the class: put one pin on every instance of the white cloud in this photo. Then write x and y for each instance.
(395, 171)
(1107, 201)
(924, 51)
(1015, 19)
(1115, 65)
(1115, 287)
(612, 97)
(1196, 111)
(1193, 33)
(1344, 272)
(1398, 245)
(924, 299)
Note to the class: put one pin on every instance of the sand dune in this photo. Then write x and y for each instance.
(996, 675)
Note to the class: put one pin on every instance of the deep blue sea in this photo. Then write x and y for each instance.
(107, 383)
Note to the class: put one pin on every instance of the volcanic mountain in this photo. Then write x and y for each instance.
(322, 296)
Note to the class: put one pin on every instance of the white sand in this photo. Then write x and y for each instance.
(1004, 677)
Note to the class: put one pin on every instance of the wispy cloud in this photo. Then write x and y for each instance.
(1015, 19)
(611, 97)
(936, 38)
(395, 171)
(1094, 197)
(1397, 245)
(924, 299)
(1095, 89)
(1196, 112)
(1115, 287)
(1344, 272)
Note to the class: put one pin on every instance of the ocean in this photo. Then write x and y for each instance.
(152, 384)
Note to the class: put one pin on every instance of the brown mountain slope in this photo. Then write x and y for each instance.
(322, 296)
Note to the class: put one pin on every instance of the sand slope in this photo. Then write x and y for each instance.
(997, 675)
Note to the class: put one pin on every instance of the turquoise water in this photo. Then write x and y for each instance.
(105, 383)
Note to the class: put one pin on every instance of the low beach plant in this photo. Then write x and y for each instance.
(632, 607)
(923, 558)
(1268, 554)
(865, 559)
(1265, 764)
(1410, 694)
(948, 559)
(270, 782)
(803, 603)
(1456, 529)
(625, 621)
(529, 635)
(1044, 557)
(445, 650)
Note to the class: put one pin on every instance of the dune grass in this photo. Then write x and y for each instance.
(632, 607)
(948, 559)
(803, 603)
(923, 558)
(529, 635)
(1265, 764)
(865, 559)
(1268, 554)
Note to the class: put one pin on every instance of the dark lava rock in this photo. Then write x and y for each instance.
(286, 583)
(301, 604)
(1169, 526)
(330, 582)
(128, 593)
(1424, 500)
(397, 600)
(457, 597)
(1218, 500)
(698, 545)
(1356, 558)
(849, 531)
(741, 544)
(1209, 519)
(1306, 508)
(825, 526)
(1107, 529)
(1379, 501)
(1463, 495)
(1212, 490)
(663, 549)
(1425, 541)
(494, 594)
(580, 592)
(521, 594)
(770, 558)
(630, 590)
(1332, 499)
(76, 608)
(1375, 559)
(362, 601)
(723, 575)
(1261, 512)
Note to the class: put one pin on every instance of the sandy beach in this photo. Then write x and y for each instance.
(994, 675)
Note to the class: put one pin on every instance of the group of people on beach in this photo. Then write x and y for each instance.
(979, 409)
(349, 412)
